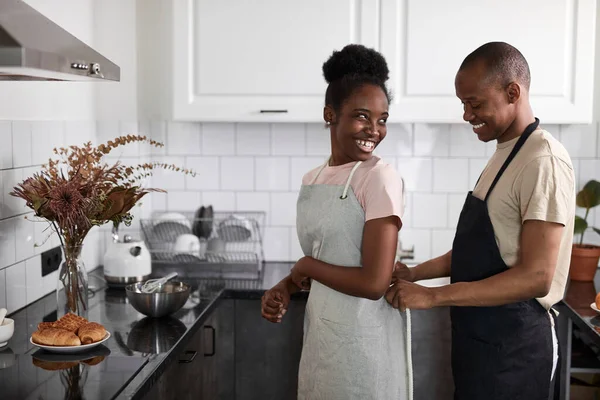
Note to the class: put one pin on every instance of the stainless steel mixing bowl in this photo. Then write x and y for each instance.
(165, 301)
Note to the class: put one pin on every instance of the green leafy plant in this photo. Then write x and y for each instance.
(588, 198)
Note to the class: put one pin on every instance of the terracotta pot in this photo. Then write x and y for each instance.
(584, 262)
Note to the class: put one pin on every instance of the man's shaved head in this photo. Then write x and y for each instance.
(504, 64)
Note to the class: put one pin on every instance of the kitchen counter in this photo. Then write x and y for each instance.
(139, 349)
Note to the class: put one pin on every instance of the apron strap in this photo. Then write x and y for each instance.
(345, 193)
(528, 131)
(320, 170)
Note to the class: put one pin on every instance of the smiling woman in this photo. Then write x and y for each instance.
(348, 215)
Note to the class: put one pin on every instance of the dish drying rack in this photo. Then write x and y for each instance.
(230, 242)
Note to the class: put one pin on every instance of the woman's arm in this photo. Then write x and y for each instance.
(380, 237)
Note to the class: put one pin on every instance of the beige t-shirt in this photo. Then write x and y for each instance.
(539, 184)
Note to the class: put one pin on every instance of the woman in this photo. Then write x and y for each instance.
(349, 214)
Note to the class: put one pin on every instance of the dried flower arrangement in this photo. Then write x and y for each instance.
(80, 191)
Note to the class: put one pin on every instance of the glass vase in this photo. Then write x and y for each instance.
(72, 285)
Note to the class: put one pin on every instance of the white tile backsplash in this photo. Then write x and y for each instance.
(254, 167)
(455, 205)
(441, 241)
(253, 139)
(184, 138)
(300, 166)
(450, 175)
(222, 201)
(397, 142)
(288, 139)
(277, 243)
(417, 173)
(184, 201)
(464, 142)
(579, 140)
(45, 136)
(237, 173)
(6, 150)
(430, 210)
(432, 140)
(318, 140)
(272, 174)
(476, 167)
(207, 173)
(21, 143)
(283, 209)
(218, 139)
(16, 287)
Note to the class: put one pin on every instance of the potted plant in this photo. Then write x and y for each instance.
(79, 191)
(585, 257)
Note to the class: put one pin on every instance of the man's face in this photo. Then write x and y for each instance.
(485, 102)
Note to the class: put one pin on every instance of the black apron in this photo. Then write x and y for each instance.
(504, 352)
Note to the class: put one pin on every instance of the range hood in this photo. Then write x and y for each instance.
(33, 48)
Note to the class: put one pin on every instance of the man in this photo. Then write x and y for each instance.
(510, 257)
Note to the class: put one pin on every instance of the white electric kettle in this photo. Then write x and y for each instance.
(126, 261)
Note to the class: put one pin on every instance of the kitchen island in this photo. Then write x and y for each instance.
(218, 346)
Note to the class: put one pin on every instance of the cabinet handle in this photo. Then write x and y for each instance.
(273, 111)
(191, 354)
(212, 352)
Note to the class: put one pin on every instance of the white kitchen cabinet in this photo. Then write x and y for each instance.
(425, 41)
(261, 60)
(256, 60)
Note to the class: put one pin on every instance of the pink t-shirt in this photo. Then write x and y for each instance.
(377, 186)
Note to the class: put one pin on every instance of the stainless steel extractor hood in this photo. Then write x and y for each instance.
(32, 47)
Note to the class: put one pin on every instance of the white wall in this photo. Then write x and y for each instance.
(54, 100)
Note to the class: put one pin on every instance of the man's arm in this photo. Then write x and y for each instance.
(372, 279)
(438, 267)
(531, 277)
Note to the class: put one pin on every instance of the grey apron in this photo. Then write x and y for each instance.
(353, 347)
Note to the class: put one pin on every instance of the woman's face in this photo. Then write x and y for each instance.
(359, 126)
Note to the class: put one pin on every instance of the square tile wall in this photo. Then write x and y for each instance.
(248, 167)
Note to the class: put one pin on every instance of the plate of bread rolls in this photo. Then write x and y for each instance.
(70, 334)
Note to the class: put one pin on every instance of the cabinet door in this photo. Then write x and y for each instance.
(425, 41)
(261, 60)
(267, 355)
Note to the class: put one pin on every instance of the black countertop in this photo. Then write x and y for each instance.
(138, 351)
(577, 304)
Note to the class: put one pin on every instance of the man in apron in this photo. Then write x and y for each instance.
(510, 257)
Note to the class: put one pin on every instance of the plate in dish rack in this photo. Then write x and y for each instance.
(70, 349)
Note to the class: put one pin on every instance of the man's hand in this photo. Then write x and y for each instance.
(403, 295)
(403, 273)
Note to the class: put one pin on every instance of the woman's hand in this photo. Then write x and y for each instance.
(298, 276)
(274, 303)
(402, 273)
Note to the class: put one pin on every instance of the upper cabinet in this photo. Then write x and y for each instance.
(261, 60)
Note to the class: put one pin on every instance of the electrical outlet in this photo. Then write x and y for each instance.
(51, 260)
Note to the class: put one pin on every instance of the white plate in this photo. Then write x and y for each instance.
(70, 349)
(593, 307)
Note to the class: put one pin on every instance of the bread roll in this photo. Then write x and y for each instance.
(91, 332)
(598, 301)
(55, 337)
(45, 325)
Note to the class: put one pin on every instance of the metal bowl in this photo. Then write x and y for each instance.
(165, 301)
